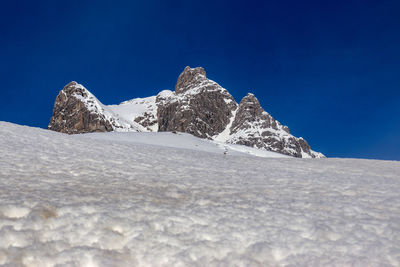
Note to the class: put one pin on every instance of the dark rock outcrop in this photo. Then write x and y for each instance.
(250, 113)
(254, 127)
(189, 79)
(147, 120)
(75, 111)
(198, 106)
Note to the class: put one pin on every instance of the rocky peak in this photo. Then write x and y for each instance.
(254, 127)
(74, 87)
(250, 107)
(77, 111)
(198, 106)
(250, 113)
(189, 78)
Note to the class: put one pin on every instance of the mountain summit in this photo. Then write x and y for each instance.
(198, 106)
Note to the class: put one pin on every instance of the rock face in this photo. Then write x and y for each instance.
(203, 108)
(254, 127)
(76, 111)
(198, 106)
(189, 79)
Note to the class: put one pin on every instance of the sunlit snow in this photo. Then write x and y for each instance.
(121, 199)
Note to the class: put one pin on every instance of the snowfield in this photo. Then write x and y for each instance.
(118, 199)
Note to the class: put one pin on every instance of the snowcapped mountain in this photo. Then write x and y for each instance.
(252, 126)
(198, 106)
(76, 110)
(165, 199)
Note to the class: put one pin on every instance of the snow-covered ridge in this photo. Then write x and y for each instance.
(120, 118)
(198, 106)
(75, 200)
(116, 114)
(137, 110)
(123, 115)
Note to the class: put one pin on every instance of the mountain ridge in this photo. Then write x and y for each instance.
(198, 106)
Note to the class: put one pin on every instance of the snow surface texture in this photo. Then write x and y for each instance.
(80, 201)
(183, 140)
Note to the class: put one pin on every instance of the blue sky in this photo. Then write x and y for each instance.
(330, 70)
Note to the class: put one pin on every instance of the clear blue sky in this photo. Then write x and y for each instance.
(330, 70)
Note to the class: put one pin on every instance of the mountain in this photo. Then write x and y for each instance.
(164, 199)
(76, 110)
(198, 106)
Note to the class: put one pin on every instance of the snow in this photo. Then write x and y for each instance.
(120, 121)
(225, 134)
(165, 93)
(130, 110)
(181, 140)
(256, 129)
(93, 200)
(121, 116)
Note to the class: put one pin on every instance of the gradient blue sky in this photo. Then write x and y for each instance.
(330, 70)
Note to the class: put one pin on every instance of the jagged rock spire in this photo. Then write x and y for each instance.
(254, 127)
(250, 111)
(199, 106)
(77, 111)
(189, 78)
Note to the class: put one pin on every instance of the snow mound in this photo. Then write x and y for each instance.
(82, 201)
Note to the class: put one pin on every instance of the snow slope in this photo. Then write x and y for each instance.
(138, 107)
(182, 140)
(83, 201)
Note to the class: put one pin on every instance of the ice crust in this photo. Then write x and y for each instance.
(92, 200)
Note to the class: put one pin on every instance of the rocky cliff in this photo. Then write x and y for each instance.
(252, 126)
(77, 111)
(198, 106)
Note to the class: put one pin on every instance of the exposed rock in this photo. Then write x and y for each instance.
(146, 120)
(75, 111)
(189, 79)
(198, 106)
(254, 127)
(250, 113)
